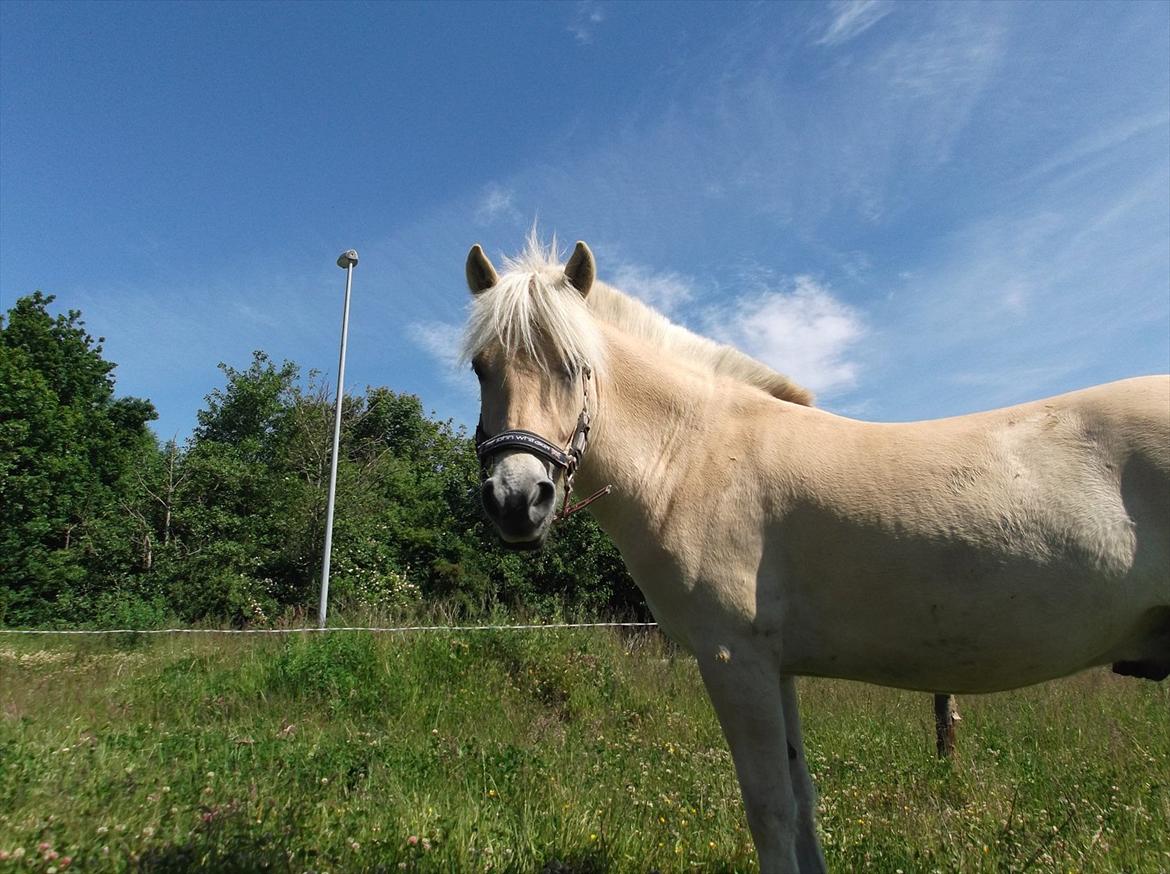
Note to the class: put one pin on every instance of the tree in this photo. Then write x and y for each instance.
(67, 446)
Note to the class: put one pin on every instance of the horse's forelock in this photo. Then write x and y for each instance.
(537, 313)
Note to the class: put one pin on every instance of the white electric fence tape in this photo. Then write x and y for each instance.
(401, 629)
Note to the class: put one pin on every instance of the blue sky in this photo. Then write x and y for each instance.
(917, 209)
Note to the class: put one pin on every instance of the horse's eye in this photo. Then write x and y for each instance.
(477, 370)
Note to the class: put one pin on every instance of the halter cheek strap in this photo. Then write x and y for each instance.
(567, 459)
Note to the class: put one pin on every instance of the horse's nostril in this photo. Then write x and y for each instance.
(518, 509)
(546, 492)
(491, 503)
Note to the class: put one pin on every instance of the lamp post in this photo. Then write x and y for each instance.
(347, 261)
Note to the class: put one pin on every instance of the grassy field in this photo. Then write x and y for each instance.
(575, 751)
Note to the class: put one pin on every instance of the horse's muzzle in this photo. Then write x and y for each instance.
(522, 512)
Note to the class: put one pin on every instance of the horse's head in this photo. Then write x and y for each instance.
(532, 345)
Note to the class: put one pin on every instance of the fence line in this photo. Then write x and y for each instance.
(399, 629)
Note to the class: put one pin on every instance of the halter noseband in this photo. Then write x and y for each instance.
(567, 459)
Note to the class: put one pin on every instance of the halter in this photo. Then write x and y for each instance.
(567, 459)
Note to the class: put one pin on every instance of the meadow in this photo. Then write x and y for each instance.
(567, 751)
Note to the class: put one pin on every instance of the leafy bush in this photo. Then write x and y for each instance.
(100, 524)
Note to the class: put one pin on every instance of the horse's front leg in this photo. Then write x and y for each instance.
(808, 847)
(745, 688)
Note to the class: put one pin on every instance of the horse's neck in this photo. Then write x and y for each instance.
(647, 415)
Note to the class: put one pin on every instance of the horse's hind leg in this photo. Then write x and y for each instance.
(1153, 662)
(808, 849)
(1146, 670)
(744, 686)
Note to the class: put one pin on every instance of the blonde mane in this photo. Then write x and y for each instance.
(533, 308)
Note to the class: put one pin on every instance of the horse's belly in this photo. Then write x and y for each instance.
(943, 667)
(961, 635)
(971, 600)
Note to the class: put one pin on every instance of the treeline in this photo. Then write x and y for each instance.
(102, 524)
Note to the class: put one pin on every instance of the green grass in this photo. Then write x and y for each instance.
(568, 751)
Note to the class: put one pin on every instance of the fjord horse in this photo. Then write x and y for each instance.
(772, 539)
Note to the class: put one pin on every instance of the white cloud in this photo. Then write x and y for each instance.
(440, 340)
(665, 291)
(804, 332)
(496, 202)
(852, 18)
(588, 15)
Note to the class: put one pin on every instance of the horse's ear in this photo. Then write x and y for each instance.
(481, 275)
(581, 269)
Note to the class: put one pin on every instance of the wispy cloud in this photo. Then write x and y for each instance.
(932, 79)
(496, 203)
(441, 341)
(803, 331)
(586, 17)
(267, 318)
(1101, 142)
(1061, 294)
(944, 63)
(664, 290)
(975, 278)
(852, 18)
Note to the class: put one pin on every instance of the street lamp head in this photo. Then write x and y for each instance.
(348, 258)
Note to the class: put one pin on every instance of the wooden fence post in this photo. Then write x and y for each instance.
(945, 717)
